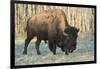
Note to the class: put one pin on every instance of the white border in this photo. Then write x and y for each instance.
(5, 33)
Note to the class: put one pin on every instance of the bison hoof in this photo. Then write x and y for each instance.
(66, 53)
(24, 53)
(63, 50)
(54, 53)
(38, 53)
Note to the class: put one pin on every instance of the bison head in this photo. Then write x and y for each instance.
(70, 39)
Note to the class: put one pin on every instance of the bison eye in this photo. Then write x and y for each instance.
(68, 38)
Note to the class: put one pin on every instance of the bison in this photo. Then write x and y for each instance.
(51, 26)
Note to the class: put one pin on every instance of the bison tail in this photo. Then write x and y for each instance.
(25, 29)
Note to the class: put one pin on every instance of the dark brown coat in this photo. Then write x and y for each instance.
(49, 25)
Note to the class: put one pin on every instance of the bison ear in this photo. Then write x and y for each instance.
(78, 30)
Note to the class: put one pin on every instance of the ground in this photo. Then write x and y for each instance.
(84, 52)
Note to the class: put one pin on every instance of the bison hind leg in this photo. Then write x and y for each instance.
(27, 41)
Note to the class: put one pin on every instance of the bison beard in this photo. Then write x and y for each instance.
(52, 26)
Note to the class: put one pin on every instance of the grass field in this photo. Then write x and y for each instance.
(84, 52)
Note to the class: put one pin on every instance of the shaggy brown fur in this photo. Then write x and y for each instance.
(49, 25)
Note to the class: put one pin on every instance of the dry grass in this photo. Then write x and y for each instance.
(84, 52)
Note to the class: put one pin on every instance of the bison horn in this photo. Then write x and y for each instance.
(65, 34)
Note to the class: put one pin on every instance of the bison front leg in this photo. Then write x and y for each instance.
(37, 46)
(52, 47)
(66, 52)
